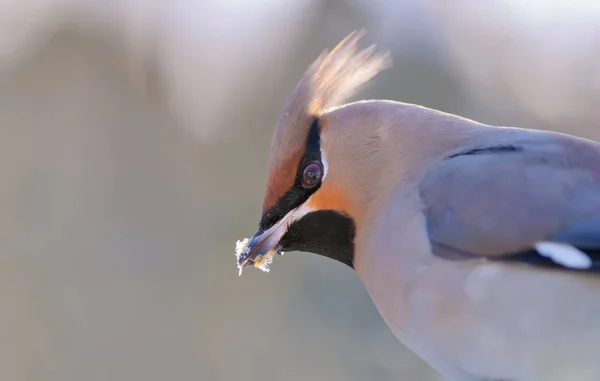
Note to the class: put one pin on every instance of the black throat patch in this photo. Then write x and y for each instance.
(323, 232)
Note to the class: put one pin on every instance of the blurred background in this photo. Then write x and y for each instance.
(133, 142)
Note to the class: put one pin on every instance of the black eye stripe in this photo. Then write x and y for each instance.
(297, 194)
(313, 149)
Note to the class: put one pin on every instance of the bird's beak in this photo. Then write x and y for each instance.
(259, 250)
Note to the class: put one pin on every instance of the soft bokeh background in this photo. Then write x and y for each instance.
(133, 143)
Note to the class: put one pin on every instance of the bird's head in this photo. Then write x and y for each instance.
(318, 170)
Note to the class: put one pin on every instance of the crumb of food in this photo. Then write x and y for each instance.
(264, 261)
(241, 251)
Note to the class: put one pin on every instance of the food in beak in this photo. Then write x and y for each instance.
(259, 250)
(260, 261)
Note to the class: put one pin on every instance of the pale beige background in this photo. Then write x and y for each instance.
(128, 170)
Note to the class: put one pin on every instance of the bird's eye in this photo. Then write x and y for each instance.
(312, 175)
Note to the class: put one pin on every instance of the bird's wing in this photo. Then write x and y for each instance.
(537, 202)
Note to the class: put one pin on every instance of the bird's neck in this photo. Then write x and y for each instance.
(390, 253)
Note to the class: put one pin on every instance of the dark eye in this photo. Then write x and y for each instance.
(312, 175)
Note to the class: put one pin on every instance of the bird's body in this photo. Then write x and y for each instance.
(479, 245)
(469, 327)
(476, 318)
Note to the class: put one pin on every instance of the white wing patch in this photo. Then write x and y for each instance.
(564, 254)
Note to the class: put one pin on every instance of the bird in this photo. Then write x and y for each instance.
(478, 244)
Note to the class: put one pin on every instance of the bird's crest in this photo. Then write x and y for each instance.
(337, 75)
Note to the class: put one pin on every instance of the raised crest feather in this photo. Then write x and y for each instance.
(338, 75)
(332, 78)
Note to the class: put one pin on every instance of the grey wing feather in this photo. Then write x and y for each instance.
(584, 233)
(499, 205)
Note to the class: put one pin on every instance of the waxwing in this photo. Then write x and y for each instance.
(479, 245)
